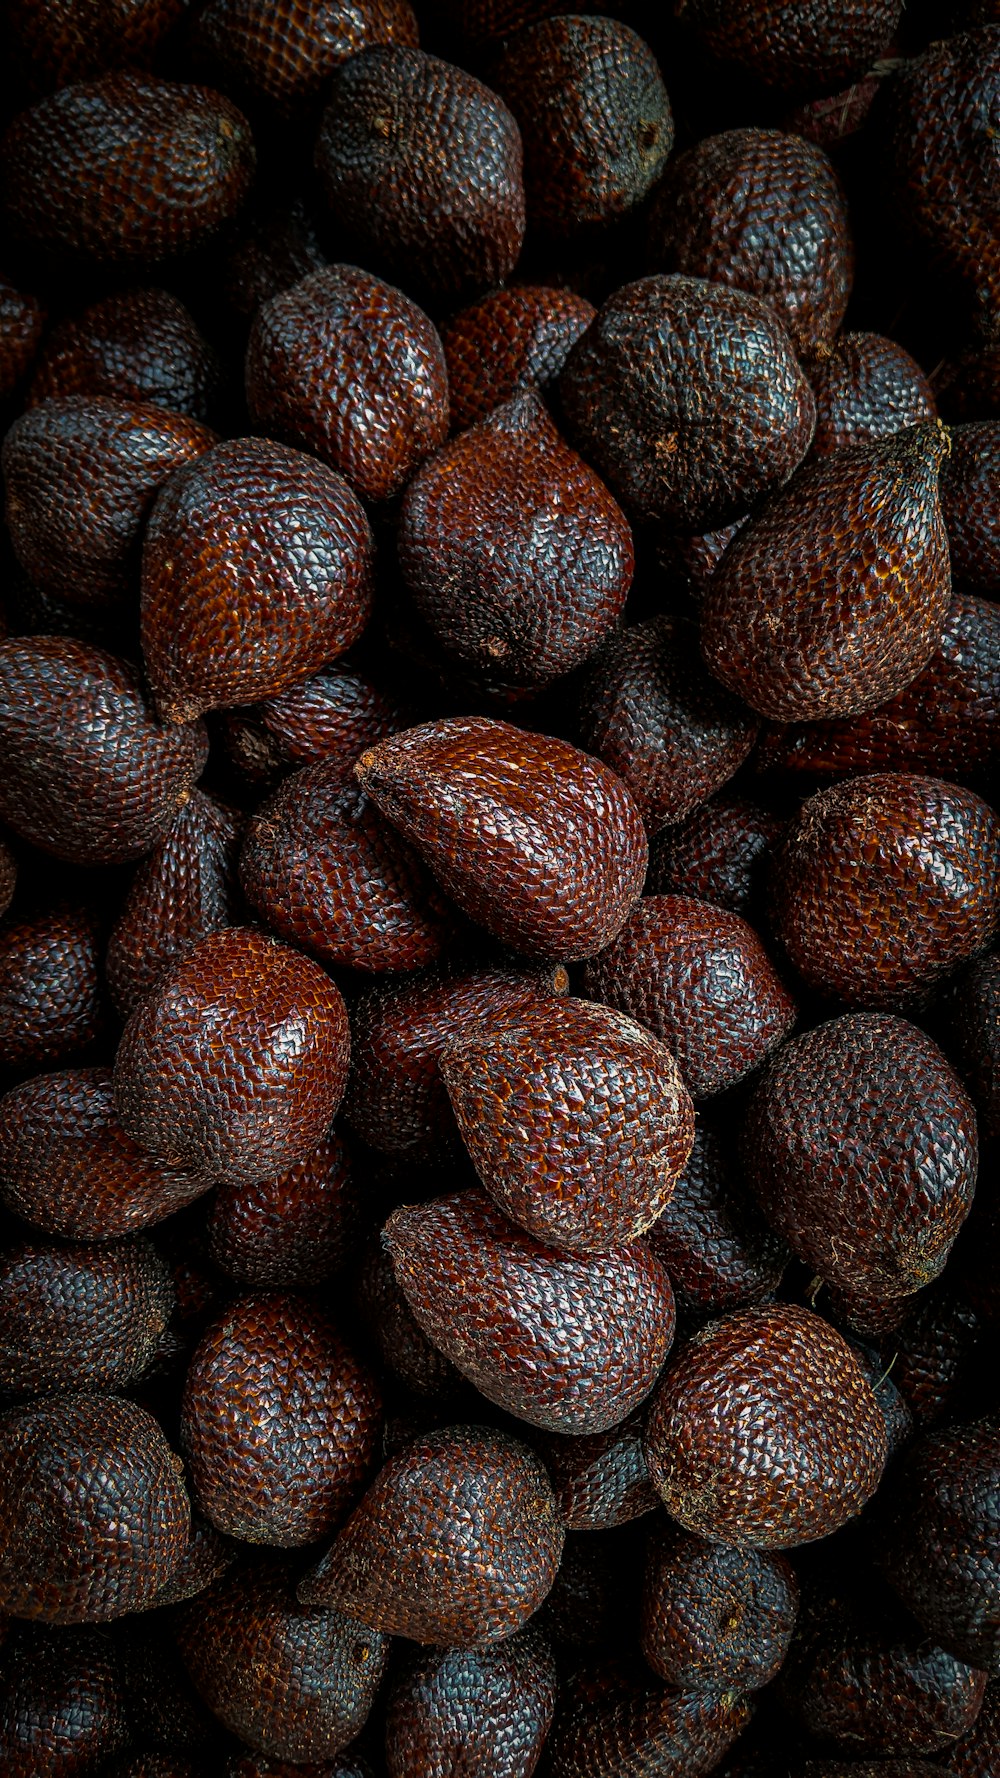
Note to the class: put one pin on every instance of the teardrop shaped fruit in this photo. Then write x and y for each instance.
(136, 345)
(80, 1317)
(715, 1617)
(867, 388)
(485, 1710)
(282, 55)
(518, 338)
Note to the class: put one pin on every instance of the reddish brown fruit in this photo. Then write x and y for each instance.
(512, 339)
(88, 774)
(536, 841)
(601, 1480)
(405, 1352)
(346, 366)
(8, 876)
(567, 1343)
(138, 345)
(834, 596)
(688, 399)
(283, 55)
(62, 1705)
(473, 1507)
(207, 1557)
(718, 1250)
(611, 1722)
(423, 163)
(695, 559)
(735, 1446)
(332, 716)
(720, 853)
(93, 1511)
(868, 388)
(885, 884)
(874, 1216)
(256, 572)
(972, 1036)
(296, 1229)
(811, 47)
(934, 1351)
(21, 322)
(80, 1317)
(484, 1712)
(276, 245)
(51, 1000)
(715, 1618)
(764, 212)
(126, 168)
(971, 506)
(72, 40)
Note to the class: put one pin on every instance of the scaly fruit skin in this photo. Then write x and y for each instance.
(333, 715)
(833, 597)
(719, 1252)
(296, 1229)
(782, 1474)
(565, 1342)
(601, 1480)
(576, 1119)
(719, 853)
(51, 995)
(868, 388)
(22, 320)
(350, 368)
(468, 1506)
(136, 345)
(88, 773)
(875, 1217)
(971, 506)
(256, 572)
(8, 876)
(80, 1317)
(126, 168)
(715, 1618)
(813, 47)
(538, 842)
(688, 399)
(884, 884)
(611, 1722)
(234, 1065)
(972, 1036)
(277, 244)
(93, 1511)
(977, 1754)
(70, 40)
(283, 55)
(484, 1711)
(62, 1708)
(423, 163)
(935, 1349)
(764, 212)
(513, 339)
(403, 1349)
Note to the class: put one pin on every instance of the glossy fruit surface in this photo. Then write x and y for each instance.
(332, 715)
(718, 1250)
(51, 998)
(612, 1722)
(284, 54)
(488, 1708)
(601, 1480)
(63, 1707)
(867, 388)
(719, 853)
(815, 47)
(715, 1617)
(518, 338)
(137, 345)
(295, 1229)
(80, 1317)
(971, 508)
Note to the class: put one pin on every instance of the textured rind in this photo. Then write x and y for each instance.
(234, 610)
(762, 211)
(715, 1618)
(735, 1446)
(833, 597)
(567, 1343)
(22, 319)
(972, 1036)
(977, 1754)
(137, 345)
(485, 1712)
(935, 1349)
(8, 876)
(875, 1215)
(276, 244)
(423, 163)
(699, 978)
(601, 1480)
(719, 853)
(609, 1725)
(88, 774)
(576, 1119)
(292, 1682)
(471, 1506)
(62, 1705)
(234, 1065)
(813, 47)
(867, 388)
(348, 367)
(688, 399)
(884, 884)
(296, 1229)
(719, 1252)
(51, 998)
(283, 55)
(80, 1317)
(126, 168)
(652, 713)
(93, 1512)
(404, 1351)
(971, 506)
(538, 842)
(69, 40)
(333, 715)
(512, 339)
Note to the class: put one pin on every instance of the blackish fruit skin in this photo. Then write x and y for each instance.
(688, 399)
(250, 1765)
(874, 1216)
(350, 368)
(292, 1682)
(833, 597)
(610, 1724)
(51, 998)
(938, 1539)
(22, 319)
(235, 1064)
(713, 1617)
(457, 1542)
(483, 1711)
(333, 715)
(282, 55)
(811, 48)
(126, 168)
(256, 572)
(93, 1510)
(62, 1705)
(567, 1343)
(784, 1475)
(89, 774)
(8, 876)
(296, 1229)
(137, 345)
(719, 853)
(405, 1352)
(601, 1480)
(764, 212)
(884, 884)
(977, 1753)
(971, 506)
(868, 388)
(423, 163)
(68, 40)
(533, 839)
(969, 388)
(276, 245)
(513, 339)
(719, 1252)
(935, 1349)
(81, 1317)
(972, 1036)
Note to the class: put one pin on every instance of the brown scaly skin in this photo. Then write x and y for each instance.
(275, 245)
(403, 1349)
(972, 1036)
(719, 853)
(717, 1248)
(868, 388)
(282, 55)
(299, 1228)
(67, 40)
(977, 1754)
(80, 1317)
(334, 715)
(971, 510)
(485, 1711)
(611, 1721)
(52, 1002)
(62, 1706)
(21, 322)
(207, 1557)
(137, 345)
(715, 1618)
(8, 876)
(601, 1481)
(518, 338)
(935, 1352)
(813, 47)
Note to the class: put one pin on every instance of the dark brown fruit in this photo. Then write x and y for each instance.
(138, 345)
(972, 1036)
(881, 1768)
(977, 1754)
(934, 1351)
(576, 1119)
(282, 55)
(720, 853)
(298, 1228)
(834, 596)
(67, 1166)
(334, 716)
(538, 842)
(22, 319)
(80, 1317)
(735, 1445)
(868, 388)
(715, 1618)
(8, 876)
(764, 212)
(405, 1352)
(256, 572)
(277, 244)
(694, 559)
(512, 339)
(256, 1765)
(717, 1248)
(469, 1506)
(292, 1682)
(62, 1706)
(51, 1000)
(234, 1065)
(126, 168)
(88, 774)
(886, 883)
(208, 1556)
(484, 1712)
(688, 399)
(876, 1214)
(656, 717)
(346, 366)
(423, 163)
(809, 46)
(970, 502)
(611, 1723)
(601, 1480)
(93, 1512)
(567, 1343)
(969, 388)
(68, 40)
